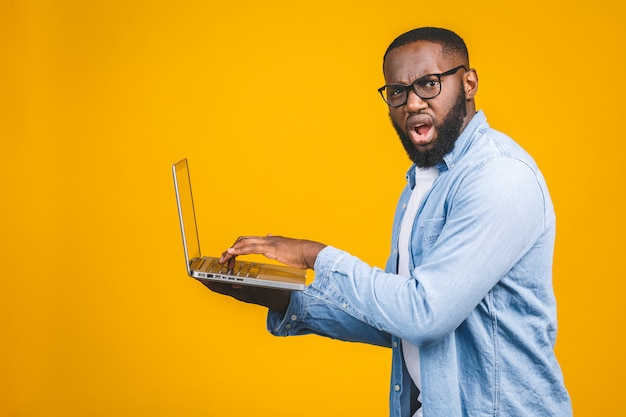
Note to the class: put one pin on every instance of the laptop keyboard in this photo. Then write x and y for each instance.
(241, 269)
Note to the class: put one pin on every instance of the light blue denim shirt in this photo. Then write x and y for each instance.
(479, 302)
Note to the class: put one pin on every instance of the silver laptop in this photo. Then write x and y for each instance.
(207, 268)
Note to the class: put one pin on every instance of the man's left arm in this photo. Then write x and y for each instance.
(493, 219)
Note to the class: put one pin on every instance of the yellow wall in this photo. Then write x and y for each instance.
(276, 99)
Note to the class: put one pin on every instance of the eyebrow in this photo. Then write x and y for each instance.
(413, 79)
(451, 71)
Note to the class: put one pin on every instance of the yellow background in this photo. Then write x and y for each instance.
(275, 105)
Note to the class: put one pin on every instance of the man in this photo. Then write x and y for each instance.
(466, 300)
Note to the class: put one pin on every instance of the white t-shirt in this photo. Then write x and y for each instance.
(424, 179)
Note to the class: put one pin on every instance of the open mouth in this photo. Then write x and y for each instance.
(421, 133)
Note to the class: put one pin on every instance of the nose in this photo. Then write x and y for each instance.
(414, 102)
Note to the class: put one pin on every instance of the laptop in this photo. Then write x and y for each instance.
(206, 268)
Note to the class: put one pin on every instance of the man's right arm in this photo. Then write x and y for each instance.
(298, 312)
(303, 312)
(308, 313)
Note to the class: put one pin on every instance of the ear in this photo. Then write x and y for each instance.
(470, 83)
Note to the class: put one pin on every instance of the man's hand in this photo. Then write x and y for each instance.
(275, 300)
(293, 252)
(297, 253)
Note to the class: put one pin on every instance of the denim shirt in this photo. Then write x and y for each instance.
(479, 303)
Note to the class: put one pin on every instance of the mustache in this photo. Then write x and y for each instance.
(447, 131)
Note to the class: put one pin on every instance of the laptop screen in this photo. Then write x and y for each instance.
(186, 211)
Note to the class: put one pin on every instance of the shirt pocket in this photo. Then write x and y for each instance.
(431, 229)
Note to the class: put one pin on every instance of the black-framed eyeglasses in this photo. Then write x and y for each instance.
(426, 87)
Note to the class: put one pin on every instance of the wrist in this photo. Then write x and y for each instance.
(280, 302)
(313, 251)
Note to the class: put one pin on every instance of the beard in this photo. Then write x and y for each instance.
(448, 132)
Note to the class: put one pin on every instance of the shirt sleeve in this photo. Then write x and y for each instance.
(309, 312)
(495, 217)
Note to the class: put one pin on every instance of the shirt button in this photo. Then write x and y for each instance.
(287, 326)
(395, 344)
(294, 317)
(397, 387)
(344, 305)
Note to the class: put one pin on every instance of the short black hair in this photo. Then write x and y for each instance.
(451, 43)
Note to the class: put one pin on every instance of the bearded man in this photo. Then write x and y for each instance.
(466, 300)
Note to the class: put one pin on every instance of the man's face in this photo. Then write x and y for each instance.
(429, 128)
